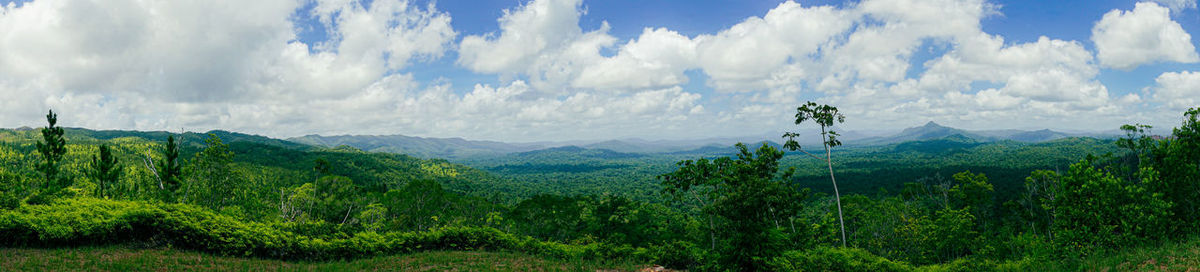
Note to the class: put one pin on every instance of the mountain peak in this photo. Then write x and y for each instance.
(931, 124)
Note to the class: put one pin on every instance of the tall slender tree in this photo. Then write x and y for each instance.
(52, 148)
(170, 168)
(824, 116)
(105, 171)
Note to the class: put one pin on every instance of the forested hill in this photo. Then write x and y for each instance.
(277, 163)
(952, 203)
(448, 148)
(458, 149)
(861, 169)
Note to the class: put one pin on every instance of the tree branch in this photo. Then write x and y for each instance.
(811, 155)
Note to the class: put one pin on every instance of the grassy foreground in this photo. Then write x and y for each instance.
(126, 259)
(1170, 256)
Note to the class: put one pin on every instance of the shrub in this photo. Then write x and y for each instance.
(89, 221)
(835, 259)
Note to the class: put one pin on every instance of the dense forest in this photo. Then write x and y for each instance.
(947, 204)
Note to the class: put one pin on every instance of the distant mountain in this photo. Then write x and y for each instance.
(579, 152)
(719, 149)
(449, 148)
(1038, 136)
(948, 144)
(458, 148)
(929, 131)
(934, 131)
(187, 138)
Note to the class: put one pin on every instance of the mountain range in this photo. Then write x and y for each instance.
(458, 148)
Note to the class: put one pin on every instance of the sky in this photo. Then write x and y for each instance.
(558, 70)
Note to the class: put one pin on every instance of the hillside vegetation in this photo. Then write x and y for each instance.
(126, 259)
(944, 204)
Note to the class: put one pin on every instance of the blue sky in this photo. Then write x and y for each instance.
(537, 70)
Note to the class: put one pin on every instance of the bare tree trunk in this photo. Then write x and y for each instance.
(712, 235)
(836, 194)
(347, 214)
(150, 165)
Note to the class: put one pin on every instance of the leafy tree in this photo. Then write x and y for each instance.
(52, 148)
(418, 205)
(1140, 144)
(373, 217)
(750, 196)
(335, 196)
(1098, 210)
(1137, 140)
(824, 116)
(1178, 162)
(105, 171)
(212, 178)
(1042, 189)
(322, 166)
(296, 204)
(972, 192)
(550, 217)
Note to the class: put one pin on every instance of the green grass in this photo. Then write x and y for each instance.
(124, 259)
(1181, 255)
(1171, 256)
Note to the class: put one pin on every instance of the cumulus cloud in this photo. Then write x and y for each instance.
(1177, 91)
(1146, 34)
(243, 66)
(186, 56)
(744, 55)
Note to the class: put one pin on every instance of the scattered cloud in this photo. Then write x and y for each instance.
(243, 66)
(1177, 91)
(1146, 34)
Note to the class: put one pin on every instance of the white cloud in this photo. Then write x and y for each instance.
(656, 59)
(748, 55)
(527, 33)
(242, 66)
(1177, 91)
(1127, 39)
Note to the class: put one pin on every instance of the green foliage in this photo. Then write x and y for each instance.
(609, 219)
(1037, 204)
(824, 116)
(972, 192)
(834, 259)
(105, 172)
(52, 148)
(1178, 162)
(87, 221)
(118, 258)
(211, 180)
(169, 169)
(750, 198)
(1098, 210)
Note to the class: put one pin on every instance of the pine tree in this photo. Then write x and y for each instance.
(52, 148)
(105, 171)
(170, 168)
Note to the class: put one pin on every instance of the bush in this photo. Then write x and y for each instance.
(1097, 210)
(89, 221)
(835, 259)
(9, 201)
(678, 254)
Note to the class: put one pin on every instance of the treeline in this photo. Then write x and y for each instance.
(757, 218)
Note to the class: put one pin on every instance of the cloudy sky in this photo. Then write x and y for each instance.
(517, 70)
